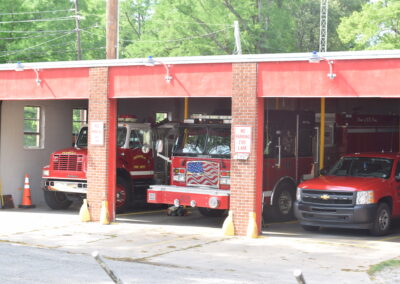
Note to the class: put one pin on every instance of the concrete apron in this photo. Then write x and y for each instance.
(272, 257)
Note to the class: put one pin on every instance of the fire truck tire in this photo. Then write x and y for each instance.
(382, 220)
(56, 200)
(207, 212)
(122, 193)
(310, 228)
(283, 202)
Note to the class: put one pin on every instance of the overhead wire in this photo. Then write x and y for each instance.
(36, 12)
(40, 20)
(178, 39)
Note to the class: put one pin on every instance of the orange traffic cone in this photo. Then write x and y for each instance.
(26, 196)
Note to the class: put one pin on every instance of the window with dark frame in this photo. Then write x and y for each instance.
(32, 127)
(79, 118)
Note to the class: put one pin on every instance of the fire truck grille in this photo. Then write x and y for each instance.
(327, 197)
(202, 173)
(68, 162)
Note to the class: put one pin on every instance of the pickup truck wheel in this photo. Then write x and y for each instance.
(122, 195)
(207, 212)
(382, 220)
(56, 200)
(310, 228)
(283, 202)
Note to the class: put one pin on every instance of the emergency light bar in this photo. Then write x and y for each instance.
(127, 118)
(207, 119)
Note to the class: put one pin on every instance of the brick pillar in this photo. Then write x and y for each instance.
(101, 158)
(246, 175)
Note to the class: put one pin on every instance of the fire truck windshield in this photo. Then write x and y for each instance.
(362, 167)
(203, 140)
(82, 140)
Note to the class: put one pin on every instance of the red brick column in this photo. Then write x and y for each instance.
(246, 175)
(101, 159)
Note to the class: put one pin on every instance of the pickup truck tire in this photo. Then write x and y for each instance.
(56, 200)
(122, 195)
(310, 228)
(207, 212)
(382, 220)
(283, 202)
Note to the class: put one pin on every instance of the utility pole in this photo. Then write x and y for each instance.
(112, 29)
(78, 30)
(323, 41)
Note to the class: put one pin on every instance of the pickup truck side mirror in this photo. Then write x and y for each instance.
(323, 172)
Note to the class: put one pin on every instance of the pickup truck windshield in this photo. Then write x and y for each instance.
(368, 167)
(82, 140)
(205, 140)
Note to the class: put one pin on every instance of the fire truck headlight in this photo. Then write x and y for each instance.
(365, 197)
(225, 180)
(179, 178)
(298, 194)
(45, 173)
(213, 202)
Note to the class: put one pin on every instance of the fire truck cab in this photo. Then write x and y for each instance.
(200, 163)
(65, 177)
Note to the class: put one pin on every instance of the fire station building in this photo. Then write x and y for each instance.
(243, 86)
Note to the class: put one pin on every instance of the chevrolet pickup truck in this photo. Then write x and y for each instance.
(361, 191)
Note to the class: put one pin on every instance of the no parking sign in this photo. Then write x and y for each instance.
(242, 137)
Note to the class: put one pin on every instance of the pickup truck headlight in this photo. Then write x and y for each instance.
(298, 194)
(45, 173)
(365, 197)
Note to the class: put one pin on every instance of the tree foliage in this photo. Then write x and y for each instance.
(45, 30)
(376, 26)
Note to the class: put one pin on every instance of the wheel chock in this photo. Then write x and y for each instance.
(84, 214)
(228, 228)
(104, 215)
(252, 230)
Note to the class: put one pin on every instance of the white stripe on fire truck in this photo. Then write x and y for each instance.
(141, 173)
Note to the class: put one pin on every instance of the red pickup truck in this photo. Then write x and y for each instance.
(361, 191)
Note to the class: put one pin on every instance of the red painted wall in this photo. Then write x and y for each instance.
(192, 80)
(69, 83)
(354, 78)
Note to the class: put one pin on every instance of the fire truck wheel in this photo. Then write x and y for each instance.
(56, 200)
(122, 195)
(283, 202)
(310, 228)
(207, 212)
(382, 220)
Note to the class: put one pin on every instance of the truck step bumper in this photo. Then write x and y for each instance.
(188, 196)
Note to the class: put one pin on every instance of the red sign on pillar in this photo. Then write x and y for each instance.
(242, 138)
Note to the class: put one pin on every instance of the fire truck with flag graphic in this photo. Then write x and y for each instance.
(64, 179)
(200, 163)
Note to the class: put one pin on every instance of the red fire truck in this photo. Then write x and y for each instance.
(359, 133)
(200, 163)
(65, 177)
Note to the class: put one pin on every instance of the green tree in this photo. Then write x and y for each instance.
(44, 30)
(376, 26)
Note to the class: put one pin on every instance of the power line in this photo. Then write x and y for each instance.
(40, 44)
(40, 20)
(187, 22)
(37, 12)
(27, 37)
(51, 31)
(179, 39)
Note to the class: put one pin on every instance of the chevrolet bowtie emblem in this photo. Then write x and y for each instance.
(325, 196)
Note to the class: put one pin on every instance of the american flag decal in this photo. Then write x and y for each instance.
(202, 173)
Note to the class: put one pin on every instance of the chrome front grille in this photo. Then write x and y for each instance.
(68, 162)
(327, 197)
